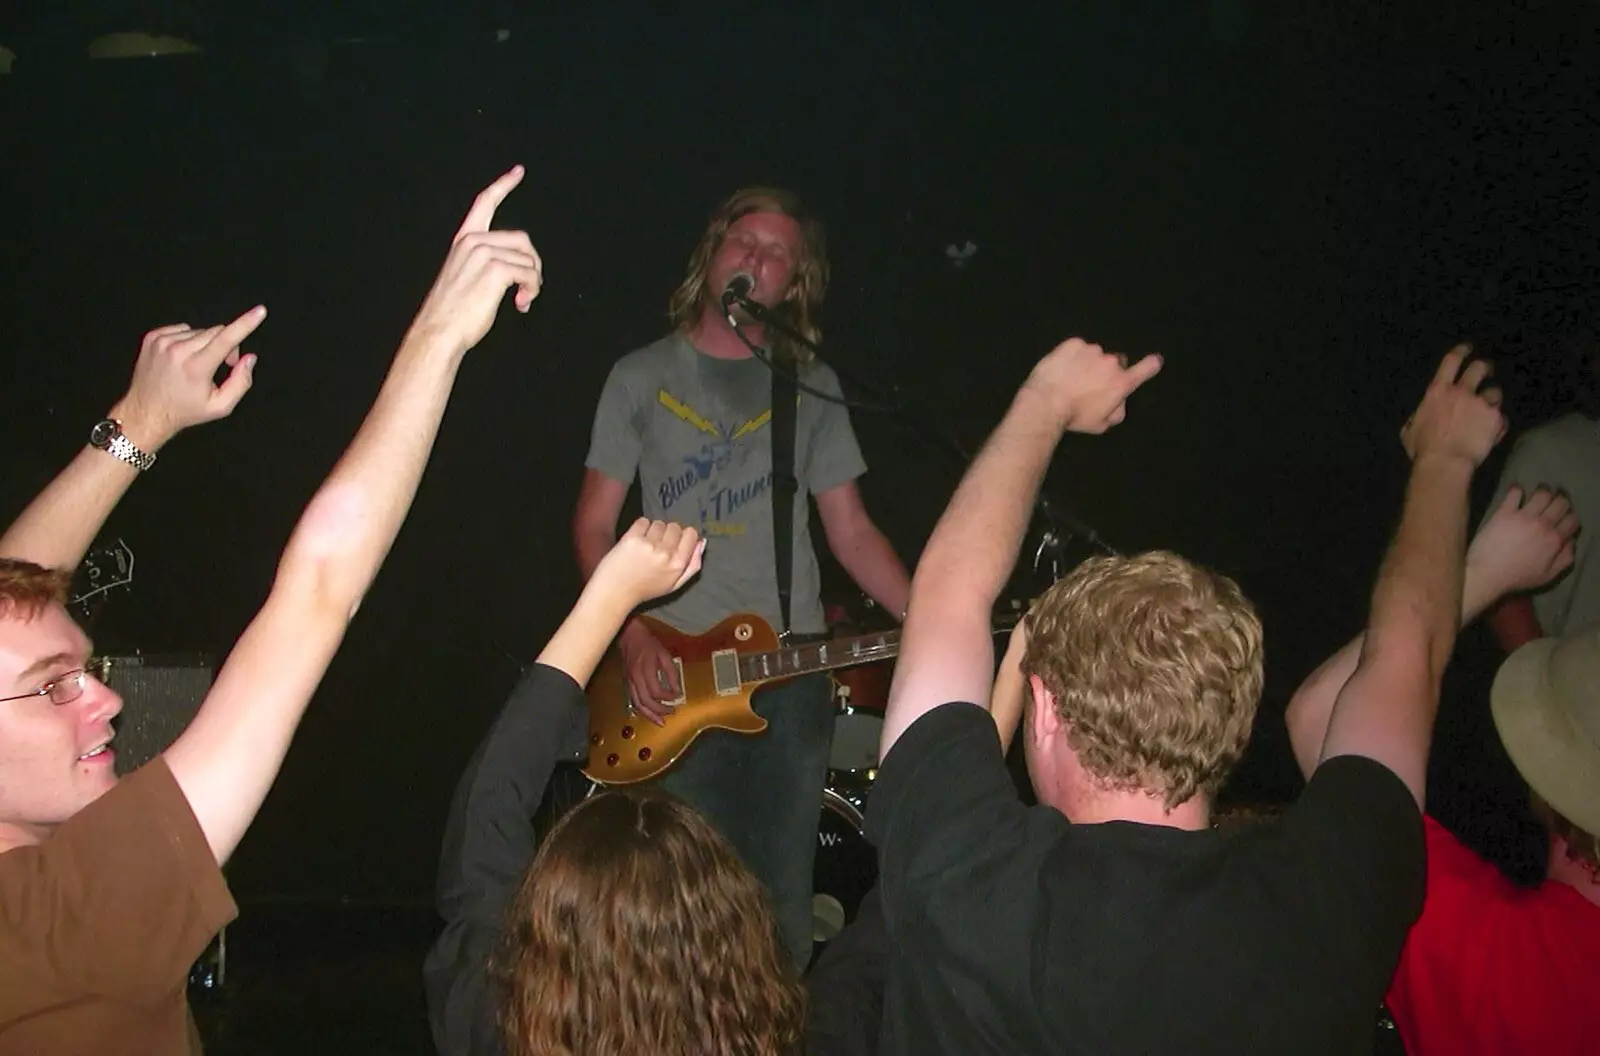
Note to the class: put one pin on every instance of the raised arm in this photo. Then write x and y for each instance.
(1387, 708)
(947, 649)
(651, 560)
(228, 757)
(172, 389)
(489, 837)
(1522, 546)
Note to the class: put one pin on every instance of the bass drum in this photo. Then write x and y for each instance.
(846, 865)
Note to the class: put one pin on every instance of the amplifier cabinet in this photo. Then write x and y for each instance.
(160, 695)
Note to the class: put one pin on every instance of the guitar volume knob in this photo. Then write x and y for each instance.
(612, 759)
(627, 732)
(644, 755)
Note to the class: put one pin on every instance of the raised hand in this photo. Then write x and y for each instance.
(1459, 415)
(652, 558)
(1088, 387)
(1524, 544)
(482, 265)
(173, 383)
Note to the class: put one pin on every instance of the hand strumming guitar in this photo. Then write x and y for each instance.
(652, 676)
(653, 558)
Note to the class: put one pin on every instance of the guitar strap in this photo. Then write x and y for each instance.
(784, 483)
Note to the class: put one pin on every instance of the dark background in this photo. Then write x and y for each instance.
(1299, 205)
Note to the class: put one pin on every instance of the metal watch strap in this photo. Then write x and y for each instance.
(123, 448)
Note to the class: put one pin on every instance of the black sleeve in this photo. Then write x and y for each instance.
(943, 801)
(1356, 840)
(844, 1008)
(488, 843)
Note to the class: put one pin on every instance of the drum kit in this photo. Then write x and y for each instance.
(846, 864)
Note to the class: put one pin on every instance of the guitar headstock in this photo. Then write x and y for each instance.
(104, 569)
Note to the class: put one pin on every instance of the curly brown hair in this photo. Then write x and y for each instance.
(27, 588)
(1155, 665)
(810, 282)
(638, 929)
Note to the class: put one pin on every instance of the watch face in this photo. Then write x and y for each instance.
(103, 433)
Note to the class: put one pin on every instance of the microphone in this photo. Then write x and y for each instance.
(739, 288)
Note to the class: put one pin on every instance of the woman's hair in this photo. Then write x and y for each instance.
(637, 929)
(809, 283)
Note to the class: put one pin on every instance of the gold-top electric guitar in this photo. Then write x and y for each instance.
(717, 673)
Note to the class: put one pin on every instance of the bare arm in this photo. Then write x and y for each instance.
(651, 559)
(947, 652)
(172, 389)
(863, 550)
(1386, 710)
(228, 757)
(1522, 546)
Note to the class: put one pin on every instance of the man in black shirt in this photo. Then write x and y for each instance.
(1111, 918)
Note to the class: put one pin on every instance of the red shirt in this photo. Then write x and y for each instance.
(1496, 969)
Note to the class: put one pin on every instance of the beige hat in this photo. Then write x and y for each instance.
(1546, 704)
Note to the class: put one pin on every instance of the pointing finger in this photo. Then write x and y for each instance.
(231, 336)
(481, 215)
(1142, 371)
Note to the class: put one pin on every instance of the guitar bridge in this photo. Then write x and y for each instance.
(725, 672)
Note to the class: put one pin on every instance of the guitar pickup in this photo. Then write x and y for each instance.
(725, 671)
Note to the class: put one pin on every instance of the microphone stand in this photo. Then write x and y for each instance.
(1059, 526)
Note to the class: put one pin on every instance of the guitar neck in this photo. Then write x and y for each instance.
(818, 656)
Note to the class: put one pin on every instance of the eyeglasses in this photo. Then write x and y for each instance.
(63, 690)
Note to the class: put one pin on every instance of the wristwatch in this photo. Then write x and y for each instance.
(107, 436)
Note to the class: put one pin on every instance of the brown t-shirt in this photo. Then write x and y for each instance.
(100, 924)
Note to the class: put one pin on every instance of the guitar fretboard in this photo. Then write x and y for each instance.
(819, 656)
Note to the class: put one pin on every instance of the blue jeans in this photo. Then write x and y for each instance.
(764, 793)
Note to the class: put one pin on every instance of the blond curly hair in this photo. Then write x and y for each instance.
(1155, 665)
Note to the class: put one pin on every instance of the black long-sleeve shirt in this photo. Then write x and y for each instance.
(489, 839)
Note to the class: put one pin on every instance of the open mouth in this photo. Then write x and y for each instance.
(95, 752)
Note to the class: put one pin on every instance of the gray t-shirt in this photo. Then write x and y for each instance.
(1565, 454)
(696, 430)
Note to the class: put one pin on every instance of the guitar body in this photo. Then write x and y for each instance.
(626, 748)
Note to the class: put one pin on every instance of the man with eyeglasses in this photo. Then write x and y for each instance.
(109, 890)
